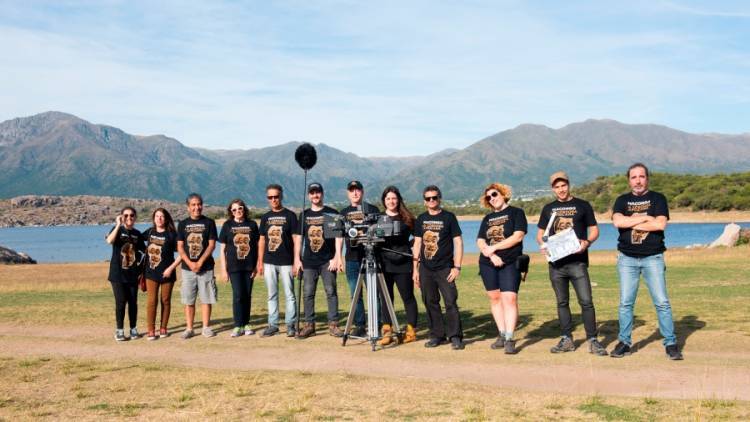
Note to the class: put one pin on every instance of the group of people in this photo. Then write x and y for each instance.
(426, 255)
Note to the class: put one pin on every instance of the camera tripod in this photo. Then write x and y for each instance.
(371, 274)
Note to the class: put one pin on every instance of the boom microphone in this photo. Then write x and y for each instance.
(306, 156)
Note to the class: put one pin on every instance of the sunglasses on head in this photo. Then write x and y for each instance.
(432, 198)
(489, 196)
(272, 197)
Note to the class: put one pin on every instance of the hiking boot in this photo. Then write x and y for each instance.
(359, 331)
(386, 338)
(208, 332)
(236, 332)
(307, 331)
(510, 347)
(271, 330)
(410, 335)
(291, 331)
(248, 331)
(134, 334)
(564, 345)
(187, 334)
(434, 342)
(151, 336)
(673, 352)
(163, 333)
(334, 330)
(621, 350)
(596, 348)
(498, 344)
(120, 335)
(457, 343)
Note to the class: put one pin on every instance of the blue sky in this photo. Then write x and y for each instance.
(375, 78)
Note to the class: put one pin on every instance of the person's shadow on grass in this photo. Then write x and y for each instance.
(683, 329)
(482, 326)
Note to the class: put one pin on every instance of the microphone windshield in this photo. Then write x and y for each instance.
(306, 156)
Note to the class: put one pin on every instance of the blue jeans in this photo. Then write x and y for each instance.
(272, 273)
(652, 268)
(352, 273)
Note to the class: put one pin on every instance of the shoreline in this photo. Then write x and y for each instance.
(724, 217)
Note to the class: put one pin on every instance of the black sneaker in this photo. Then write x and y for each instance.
(434, 342)
(457, 343)
(596, 348)
(510, 347)
(673, 352)
(498, 344)
(621, 350)
(564, 345)
(359, 331)
(271, 330)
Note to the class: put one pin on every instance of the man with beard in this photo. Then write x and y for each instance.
(572, 269)
(355, 213)
(641, 218)
(321, 259)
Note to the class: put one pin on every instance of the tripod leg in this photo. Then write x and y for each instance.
(389, 304)
(355, 298)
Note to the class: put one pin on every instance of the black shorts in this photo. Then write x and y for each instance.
(505, 278)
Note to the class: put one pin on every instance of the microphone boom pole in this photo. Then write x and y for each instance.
(306, 157)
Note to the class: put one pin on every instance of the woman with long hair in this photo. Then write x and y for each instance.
(500, 239)
(239, 254)
(397, 268)
(161, 246)
(124, 269)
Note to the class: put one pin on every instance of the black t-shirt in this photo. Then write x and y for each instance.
(127, 251)
(160, 249)
(498, 226)
(357, 215)
(240, 245)
(575, 213)
(318, 249)
(393, 262)
(278, 227)
(437, 233)
(196, 234)
(639, 243)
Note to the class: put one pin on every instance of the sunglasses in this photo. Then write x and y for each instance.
(272, 197)
(432, 198)
(314, 192)
(129, 215)
(491, 195)
(239, 208)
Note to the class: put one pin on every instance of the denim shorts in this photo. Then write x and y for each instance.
(505, 278)
(201, 285)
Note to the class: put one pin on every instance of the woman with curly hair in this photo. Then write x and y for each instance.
(161, 245)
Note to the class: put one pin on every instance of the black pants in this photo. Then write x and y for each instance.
(577, 274)
(434, 284)
(242, 289)
(310, 277)
(125, 294)
(405, 286)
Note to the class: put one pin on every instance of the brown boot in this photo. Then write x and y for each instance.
(307, 331)
(334, 330)
(410, 334)
(386, 339)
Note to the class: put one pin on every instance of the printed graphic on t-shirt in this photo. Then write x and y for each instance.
(154, 254)
(127, 255)
(496, 229)
(315, 236)
(638, 208)
(195, 244)
(241, 241)
(356, 217)
(275, 232)
(563, 223)
(564, 218)
(430, 240)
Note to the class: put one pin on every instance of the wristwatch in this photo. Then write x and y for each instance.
(456, 267)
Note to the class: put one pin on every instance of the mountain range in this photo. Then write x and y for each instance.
(55, 153)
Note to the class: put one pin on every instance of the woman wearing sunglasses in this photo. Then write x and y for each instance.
(161, 245)
(239, 254)
(500, 239)
(124, 269)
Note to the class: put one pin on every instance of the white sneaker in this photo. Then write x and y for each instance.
(208, 332)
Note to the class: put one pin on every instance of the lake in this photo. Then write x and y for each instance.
(86, 243)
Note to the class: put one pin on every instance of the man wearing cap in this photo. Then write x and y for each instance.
(321, 259)
(355, 213)
(572, 269)
(641, 218)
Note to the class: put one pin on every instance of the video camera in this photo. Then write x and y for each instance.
(373, 228)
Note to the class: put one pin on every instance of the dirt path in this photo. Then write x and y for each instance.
(704, 374)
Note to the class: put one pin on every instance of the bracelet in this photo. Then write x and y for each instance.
(456, 267)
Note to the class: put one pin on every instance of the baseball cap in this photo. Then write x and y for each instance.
(314, 186)
(557, 176)
(354, 184)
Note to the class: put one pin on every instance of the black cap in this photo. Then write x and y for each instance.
(354, 184)
(314, 186)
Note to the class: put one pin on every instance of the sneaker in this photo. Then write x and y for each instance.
(334, 330)
(434, 342)
(457, 343)
(291, 331)
(134, 333)
(359, 331)
(621, 350)
(498, 344)
(307, 331)
(510, 347)
(120, 335)
(208, 332)
(271, 330)
(248, 331)
(236, 332)
(596, 348)
(151, 336)
(187, 334)
(163, 333)
(564, 345)
(673, 352)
